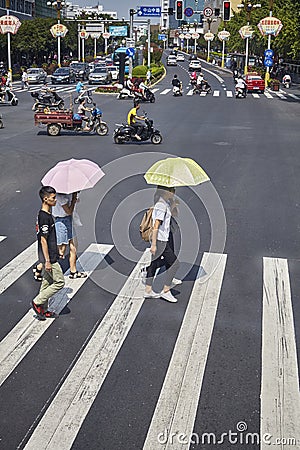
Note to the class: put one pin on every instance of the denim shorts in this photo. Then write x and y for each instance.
(64, 229)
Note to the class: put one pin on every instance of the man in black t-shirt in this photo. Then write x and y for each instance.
(53, 278)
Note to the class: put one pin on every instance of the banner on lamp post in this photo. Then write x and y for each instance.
(209, 36)
(9, 24)
(223, 35)
(59, 30)
(246, 32)
(270, 26)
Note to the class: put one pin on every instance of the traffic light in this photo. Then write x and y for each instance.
(217, 12)
(226, 10)
(179, 9)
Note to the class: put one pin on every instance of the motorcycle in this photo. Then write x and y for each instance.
(7, 93)
(126, 133)
(203, 87)
(148, 95)
(50, 100)
(286, 83)
(240, 92)
(84, 94)
(1, 122)
(177, 91)
(125, 93)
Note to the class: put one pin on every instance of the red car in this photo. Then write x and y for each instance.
(254, 82)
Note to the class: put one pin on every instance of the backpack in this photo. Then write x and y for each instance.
(146, 226)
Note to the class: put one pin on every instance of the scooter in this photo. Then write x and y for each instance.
(177, 91)
(49, 100)
(240, 92)
(125, 93)
(148, 95)
(84, 94)
(126, 133)
(11, 98)
(203, 87)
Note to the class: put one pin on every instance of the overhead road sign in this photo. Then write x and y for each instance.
(188, 12)
(149, 11)
(118, 30)
(162, 37)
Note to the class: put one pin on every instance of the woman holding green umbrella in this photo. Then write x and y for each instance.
(160, 245)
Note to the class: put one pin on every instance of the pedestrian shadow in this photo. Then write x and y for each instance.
(186, 272)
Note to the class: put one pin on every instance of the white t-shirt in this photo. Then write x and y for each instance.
(162, 211)
(61, 200)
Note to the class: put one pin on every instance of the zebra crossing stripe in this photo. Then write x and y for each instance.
(216, 94)
(2, 238)
(255, 95)
(60, 424)
(155, 90)
(203, 94)
(293, 96)
(17, 266)
(178, 401)
(228, 93)
(17, 343)
(280, 398)
(280, 95)
(165, 91)
(268, 95)
(190, 92)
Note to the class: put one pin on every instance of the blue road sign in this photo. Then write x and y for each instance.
(268, 62)
(130, 51)
(149, 11)
(269, 53)
(188, 12)
(162, 37)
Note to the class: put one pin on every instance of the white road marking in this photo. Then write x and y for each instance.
(155, 90)
(294, 96)
(16, 344)
(229, 94)
(165, 91)
(60, 424)
(178, 401)
(280, 95)
(255, 95)
(280, 398)
(268, 95)
(2, 238)
(216, 94)
(190, 92)
(17, 266)
(203, 94)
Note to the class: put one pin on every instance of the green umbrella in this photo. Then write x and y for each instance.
(172, 172)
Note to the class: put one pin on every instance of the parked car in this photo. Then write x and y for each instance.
(254, 82)
(171, 61)
(100, 75)
(81, 70)
(194, 65)
(114, 70)
(63, 75)
(36, 75)
(180, 57)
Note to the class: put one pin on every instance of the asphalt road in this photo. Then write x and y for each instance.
(249, 211)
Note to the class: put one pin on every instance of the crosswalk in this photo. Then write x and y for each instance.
(180, 394)
(219, 93)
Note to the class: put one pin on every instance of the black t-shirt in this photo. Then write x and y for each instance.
(45, 227)
(176, 82)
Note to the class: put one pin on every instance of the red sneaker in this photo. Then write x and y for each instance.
(38, 309)
(50, 315)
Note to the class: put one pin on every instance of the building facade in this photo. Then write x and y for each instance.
(74, 11)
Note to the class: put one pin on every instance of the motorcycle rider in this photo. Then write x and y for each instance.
(129, 84)
(241, 84)
(131, 120)
(176, 82)
(193, 77)
(79, 87)
(81, 110)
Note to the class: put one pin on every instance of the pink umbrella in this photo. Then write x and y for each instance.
(73, 175)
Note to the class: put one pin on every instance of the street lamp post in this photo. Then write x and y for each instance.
(8, 47)
(58, 5)
(249, 7)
